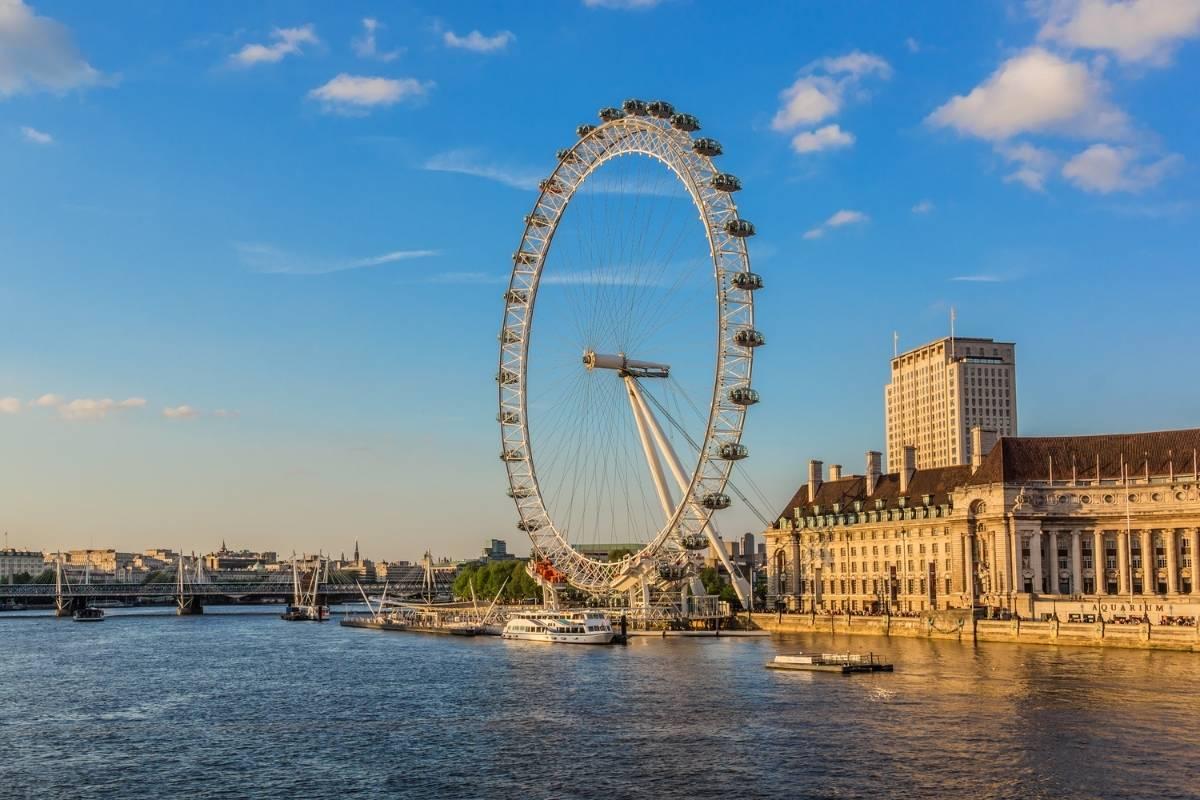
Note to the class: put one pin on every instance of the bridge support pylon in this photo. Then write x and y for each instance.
(188, 606)
(67, 605)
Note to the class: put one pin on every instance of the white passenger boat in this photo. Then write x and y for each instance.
(580, 627)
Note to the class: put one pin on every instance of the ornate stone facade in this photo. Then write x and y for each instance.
(1087, 526)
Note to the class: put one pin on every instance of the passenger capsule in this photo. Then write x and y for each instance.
(685, 122)
(512, 455)
(523, 257)
(707, 147)
(748, 337)
(733, 451)
(672, 572)
(510, 336)
(740, 228)
(695, 541)
(536, 221)
(748, 281)
(660, 108)
(550, 186)
(507, 377)
(715, 501)
(611, 114)
(743, 396)
(517, 296)
(508, 418)
(634, 108)
(520, 492)
(724, 182)
(530, 525)
(584, 130)
(566, 154)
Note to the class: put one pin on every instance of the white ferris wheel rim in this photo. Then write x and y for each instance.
(658, 139)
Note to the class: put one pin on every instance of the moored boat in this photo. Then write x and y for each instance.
(844, 663)
(89, 614)
(307, 613)
(580, 627)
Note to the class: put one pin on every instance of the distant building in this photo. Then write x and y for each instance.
(1106, 526)
(941, 390)
(497, 551)
(242, 560)
(18, 562)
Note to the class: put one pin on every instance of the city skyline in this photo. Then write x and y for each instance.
(246, 244)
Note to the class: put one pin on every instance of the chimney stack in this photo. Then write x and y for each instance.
(835, 472)
(908, 467)
(982, 442)
(874, 470)
(814, 479)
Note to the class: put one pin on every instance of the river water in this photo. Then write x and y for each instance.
(236, 704)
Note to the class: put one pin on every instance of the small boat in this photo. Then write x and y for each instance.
(580, 627)
(844, 663)
(89, 614)
(310, 613)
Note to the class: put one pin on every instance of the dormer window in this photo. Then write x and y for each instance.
(858, 505)
(901, 501)
(926, 499)
(837, 507)
(879, 504)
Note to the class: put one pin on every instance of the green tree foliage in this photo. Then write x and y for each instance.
(619, 553)
(488, 578)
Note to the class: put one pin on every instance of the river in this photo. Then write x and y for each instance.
(237, 704)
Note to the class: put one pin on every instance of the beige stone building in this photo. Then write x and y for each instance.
(939, 391)
(1070, 526)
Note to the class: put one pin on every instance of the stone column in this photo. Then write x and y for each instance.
(1171, 545)
(1124, 579)
(1099, 564)
(1195, 554)
(1015, 580)
(969, 566)
(1149, 564)
(1035, 560)
(1076, 562)
(1052, 584)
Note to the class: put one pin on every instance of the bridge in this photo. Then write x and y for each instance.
(190, 591)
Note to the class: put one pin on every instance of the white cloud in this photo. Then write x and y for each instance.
(1104, 169)
(10, 405)
(846, 217)
(36, 136)
(1035, 91)
(912, 44)
(268, 258)
(622, 4)
(479, 43)
(87, 408)
(824, 86)
(1033, 164)
(48, 401)
(839, 219)
(1136, 30)
(923, 207)
(366, 47)
(827, 138)
(180, 412)
(287, 42)
(38, 53)
(359, 93)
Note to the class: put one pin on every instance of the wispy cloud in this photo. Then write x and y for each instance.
(10, 405)
(268, 258)
(478, 42)
(469, 278)
(286, 42)
(366, 47)
(623, 5)
(551, 278)
(923, 207)
(822, 90)
(839, 219)
(37, 53)
(180, 412)
(91, 408)
(36, 136)
(226, 413)
(359, 94)
(469, 162)
(981, 278)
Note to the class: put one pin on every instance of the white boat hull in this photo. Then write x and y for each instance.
(597, 637)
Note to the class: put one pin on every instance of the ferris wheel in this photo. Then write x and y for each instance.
(621, 414)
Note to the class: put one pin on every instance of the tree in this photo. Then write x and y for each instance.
(619, 553)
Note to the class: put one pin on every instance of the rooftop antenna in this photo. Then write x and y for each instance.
(895, 343)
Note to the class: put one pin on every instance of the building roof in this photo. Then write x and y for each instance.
(1022, 459)
(938, 482)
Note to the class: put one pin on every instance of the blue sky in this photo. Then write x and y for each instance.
(249, 253)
